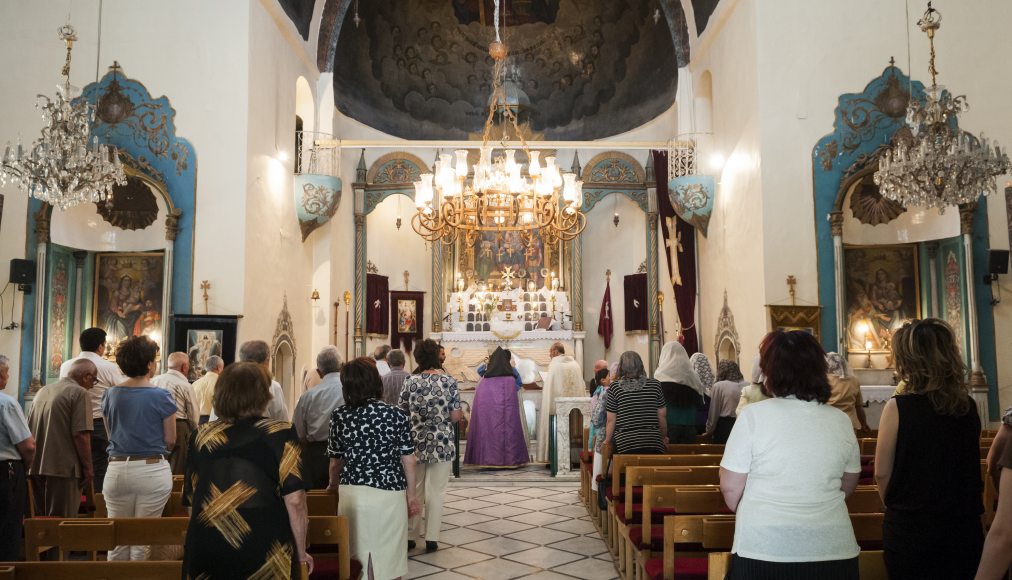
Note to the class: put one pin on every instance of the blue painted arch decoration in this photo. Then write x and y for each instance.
(391, 174)
(613, 172)
(143, 128)
(865, 123)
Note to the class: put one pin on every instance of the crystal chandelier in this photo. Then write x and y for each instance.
(64, 167)
(939, 165)
(499, 197)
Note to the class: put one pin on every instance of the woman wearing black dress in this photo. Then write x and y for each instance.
(927, 462)
(244, 485)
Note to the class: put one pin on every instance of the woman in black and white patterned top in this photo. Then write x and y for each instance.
(431, 399)
(372, 462)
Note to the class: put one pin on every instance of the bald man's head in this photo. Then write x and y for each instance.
(600, 365)
(83, 372)
(178, 361)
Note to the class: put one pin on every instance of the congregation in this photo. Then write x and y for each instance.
(383, 440)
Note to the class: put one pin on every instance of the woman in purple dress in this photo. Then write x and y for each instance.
(495, 436)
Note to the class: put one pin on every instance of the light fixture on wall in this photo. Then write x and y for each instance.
(498, 197)
(65, 166)
(938, 165)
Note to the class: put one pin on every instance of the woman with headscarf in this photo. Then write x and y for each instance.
(701, 365)
(495, 436)
(636, 414)
(754, 392)
(845, 391)
(683, 392)
(724, 398)
(599, 420)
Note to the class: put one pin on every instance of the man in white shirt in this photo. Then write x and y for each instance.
(380, 354)
(565, 379)
(257, 351)
(92, 342)
(17, 452)
(175, 382)
(312, 417)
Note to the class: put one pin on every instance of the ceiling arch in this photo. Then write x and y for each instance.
(420, 70)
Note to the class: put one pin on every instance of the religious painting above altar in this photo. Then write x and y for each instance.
(128, 294)
(496, 251)
(883, 292)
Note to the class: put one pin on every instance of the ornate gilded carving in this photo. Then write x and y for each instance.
(870, 207)
(966, 213)
(613, 172)
(132, 206)
(726, 331)
(172, 223)
(836, 223)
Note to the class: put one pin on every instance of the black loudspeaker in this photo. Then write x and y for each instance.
(997, 262)
(22, 272)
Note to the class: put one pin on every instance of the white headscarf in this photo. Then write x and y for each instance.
(837, 365)
(757, 372)
(674, 367)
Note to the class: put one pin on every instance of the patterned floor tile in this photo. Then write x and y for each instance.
(536, 491)
(501, 511)
(546, 575)
(573, 526)
(466, 519)
(497, 570)
(501, 527)
(541, 536)
(543, 557)
(467, 504)
(540, 519)
(466, 492)
(583, 545)
(572, 511)
(535, 504)
(502, 498)
(418, 569)
(588, 569)
(447, 576)
(451, 558)
(499, 546)
(461, 536)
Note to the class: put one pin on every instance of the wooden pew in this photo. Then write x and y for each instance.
(696, 449)
(173, 508)
(321, 502)
(678, 499)
(330, 532)
(82, 570)
(101, 534)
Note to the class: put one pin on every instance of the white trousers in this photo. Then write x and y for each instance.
(430, 490)
(136, 489)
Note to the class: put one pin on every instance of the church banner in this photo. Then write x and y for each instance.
(406, 318)
(377, 300)
(637, 305)
(692, 198)
(604, 323)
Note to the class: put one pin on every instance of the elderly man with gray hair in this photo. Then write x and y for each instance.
(175, 382)
(203, 387)
(312, 417)
(394, 380)
(257, 351)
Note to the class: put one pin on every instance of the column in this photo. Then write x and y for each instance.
(171, 230)
(42, 243)
(576, 287)
(78, 302)
(978, 382)
(438, 299)
(652, 267)
(836, 226)
(933, 278)
(359, 292)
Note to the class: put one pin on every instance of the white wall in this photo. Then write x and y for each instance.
(731, 256)
(196, 55)
(809, 54)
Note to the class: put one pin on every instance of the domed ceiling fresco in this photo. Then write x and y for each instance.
(420, 69)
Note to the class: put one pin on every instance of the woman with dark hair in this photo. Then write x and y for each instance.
(432, 402)
(927, 460)
(637, 416)
(724, 397)
(495, 436)
(141, 422)
(683, 392)
(800, 460)
(255, 462)
(372, 464)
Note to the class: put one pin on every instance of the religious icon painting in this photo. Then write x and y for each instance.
(406, 318)
(202, 344)
(128, 295)
(883, 291)
(204, 336)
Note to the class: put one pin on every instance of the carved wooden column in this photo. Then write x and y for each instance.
(836, 226)
(978, 382)
(652, 267)
(42, 243)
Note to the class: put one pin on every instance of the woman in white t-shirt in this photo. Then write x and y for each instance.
(788, 467)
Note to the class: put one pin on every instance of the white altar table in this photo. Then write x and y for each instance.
(563, 407)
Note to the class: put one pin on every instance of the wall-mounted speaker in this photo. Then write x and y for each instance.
(22, 272)
(997, 262)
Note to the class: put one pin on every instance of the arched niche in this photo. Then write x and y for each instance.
(143, 130)
(727, 344)
(283, 354)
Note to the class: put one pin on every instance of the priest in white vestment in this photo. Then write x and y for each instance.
(565, 379)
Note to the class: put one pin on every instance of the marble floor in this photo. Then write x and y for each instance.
(497, 532)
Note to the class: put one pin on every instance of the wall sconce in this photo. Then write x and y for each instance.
(315, 295)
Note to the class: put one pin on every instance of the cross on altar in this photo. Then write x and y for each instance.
(507, 276)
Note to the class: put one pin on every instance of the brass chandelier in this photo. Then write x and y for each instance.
(458, 201)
